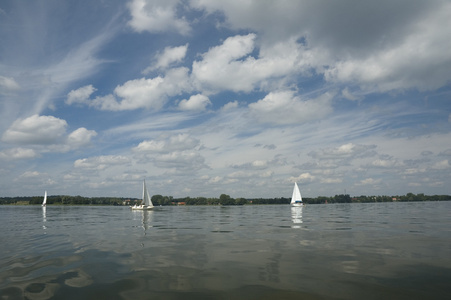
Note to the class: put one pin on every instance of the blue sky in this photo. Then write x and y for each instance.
(240, 97)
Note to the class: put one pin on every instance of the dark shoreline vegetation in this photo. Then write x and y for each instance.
(222, 200)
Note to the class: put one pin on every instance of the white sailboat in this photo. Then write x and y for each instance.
(296, 198)
(146, 202)
(44, 203)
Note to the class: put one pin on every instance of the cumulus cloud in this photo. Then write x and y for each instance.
(179, 142)
(349, 150)
(230, 106)
(181, 161)
(174, 152)
(384, 163)
(157, 16)
(286, 108)
(441, 165)
(230, 66)
(41, 130)
(101, 162)
(46, 134)
(170, 56)
(372, 57)
(196, 103)
(80, 95)
(392, 69)
(369, 181)
(150, 93)
(18, 153)
(304, 177)
(80, 137)
(255, 165)
(331, 180)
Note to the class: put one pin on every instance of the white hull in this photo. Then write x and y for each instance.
(297, 204)
(141, 207)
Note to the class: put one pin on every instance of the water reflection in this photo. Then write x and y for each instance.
(44, 217)
(146, 218)
(296, 216)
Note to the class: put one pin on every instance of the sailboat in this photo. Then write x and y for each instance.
(146, 202)
(296, 198)
(44, 203)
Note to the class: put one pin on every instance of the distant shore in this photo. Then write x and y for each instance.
(224, 199)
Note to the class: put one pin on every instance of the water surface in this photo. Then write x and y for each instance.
(334, 251)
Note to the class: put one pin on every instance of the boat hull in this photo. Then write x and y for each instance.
(297, 204)
(141, 207)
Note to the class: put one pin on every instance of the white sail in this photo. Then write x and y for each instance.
(146, 198)
(44, 203)
(146, 201)
(296, 198)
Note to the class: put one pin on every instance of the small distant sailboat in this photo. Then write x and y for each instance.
(44, 203)
(146, 203)
(296, 198)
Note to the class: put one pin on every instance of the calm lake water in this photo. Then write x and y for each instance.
(334, 251)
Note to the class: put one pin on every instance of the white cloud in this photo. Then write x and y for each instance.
(331, 180)
(8, 85)
(31, 174)
(286, 108)
(179, 142)
(230, 66)
(441, 165)
(80, 137)
(254, 165)
(196, 103)
(149, 93)
(170, 56)
(179, 152)
(369, 181)
(233, 105)
(46, 134)
(220, 68)
(384, 163)
(181, 161)
(41, 130)
(18, 153)
(392, 69)
(157, 16)
(304, 177)
(373, 57)
(101, 162)
(345, 151)
(80, 95)
(348, 95)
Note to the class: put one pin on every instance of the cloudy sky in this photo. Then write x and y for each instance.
(239, 97)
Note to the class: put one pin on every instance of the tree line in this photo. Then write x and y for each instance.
(223, 199)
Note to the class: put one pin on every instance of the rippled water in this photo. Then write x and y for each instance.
(346, 251)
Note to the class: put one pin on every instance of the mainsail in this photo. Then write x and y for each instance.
(296, 197)
(146, 198)
(45, 199)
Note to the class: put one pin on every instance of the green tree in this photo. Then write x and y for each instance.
(226, 200)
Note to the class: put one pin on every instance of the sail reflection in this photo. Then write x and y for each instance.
(44, 217)
(296, 216)
(146, 217)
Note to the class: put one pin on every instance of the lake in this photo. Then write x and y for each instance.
(329, 251)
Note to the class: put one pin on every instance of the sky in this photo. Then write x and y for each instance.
(240, 97)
